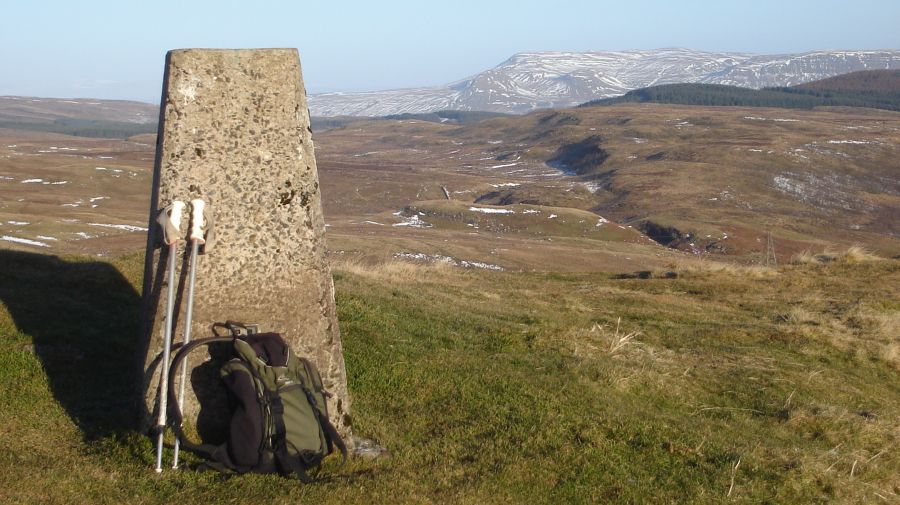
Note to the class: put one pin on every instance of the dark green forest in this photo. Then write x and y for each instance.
(722, 95)
(84, 127)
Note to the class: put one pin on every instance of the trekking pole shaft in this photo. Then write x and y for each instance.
(195, 248)
(167, 344)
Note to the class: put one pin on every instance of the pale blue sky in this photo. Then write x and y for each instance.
(116, 49)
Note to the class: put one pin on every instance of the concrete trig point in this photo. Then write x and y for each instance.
(234, 130)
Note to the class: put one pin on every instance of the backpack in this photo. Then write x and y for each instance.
(279, 420)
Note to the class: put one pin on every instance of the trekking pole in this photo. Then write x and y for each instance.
(198, 224)
(170, 221)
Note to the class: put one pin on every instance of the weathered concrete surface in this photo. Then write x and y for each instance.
(234, 130)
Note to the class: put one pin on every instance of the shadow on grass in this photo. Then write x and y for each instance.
(84, 320)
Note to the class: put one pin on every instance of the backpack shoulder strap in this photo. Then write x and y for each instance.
(331, 435)
(176, 417)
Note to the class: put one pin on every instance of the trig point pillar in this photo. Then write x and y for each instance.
(234, 130)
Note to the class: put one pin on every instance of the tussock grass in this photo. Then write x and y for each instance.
(853, 254)
(708, 267)
(392, 271)
(506, 387)
(601, 338)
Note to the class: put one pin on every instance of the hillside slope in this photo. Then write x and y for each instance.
(698, 180)
(85, 117)
(878, 89)
(751, 386)
(866, 81)
(705, 180)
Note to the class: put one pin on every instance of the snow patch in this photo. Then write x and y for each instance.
(412, 222)
(777, 119)
(430, 258)
(858, 142)
(25, 241)
(486, 210)
(125, 227)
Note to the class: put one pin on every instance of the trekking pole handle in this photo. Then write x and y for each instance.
(170, 221)
(198, 220)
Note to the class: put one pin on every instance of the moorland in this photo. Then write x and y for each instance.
(574, 305)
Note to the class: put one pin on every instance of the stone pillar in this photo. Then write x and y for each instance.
(234, 130)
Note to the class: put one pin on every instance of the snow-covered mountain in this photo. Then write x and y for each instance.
(529, 81)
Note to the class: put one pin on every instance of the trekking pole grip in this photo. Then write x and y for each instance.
(198, 221)
(170, 221)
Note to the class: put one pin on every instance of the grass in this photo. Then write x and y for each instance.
(853, 254)
(501, 387)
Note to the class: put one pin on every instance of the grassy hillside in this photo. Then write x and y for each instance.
(84, 128)
(702, 180)
(80, 117)
(709, 384)
(722, 95)
(878, 81)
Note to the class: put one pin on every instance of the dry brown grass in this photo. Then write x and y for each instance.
(853, 254)
(601, 338)
(392, 271)
(865, 329)
(702, 267)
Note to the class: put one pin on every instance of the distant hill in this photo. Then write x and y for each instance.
(83, 117)
(461, 117)
(455, 117)
(879, 89)
(538, 80)
(880, 81)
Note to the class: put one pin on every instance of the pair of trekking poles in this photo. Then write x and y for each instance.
(200, 225)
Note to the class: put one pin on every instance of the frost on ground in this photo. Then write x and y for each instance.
(506, 185)
(487, 210)
(831, 190)
(31, 181)
(435, 258)
(18, 223)
(25, 241)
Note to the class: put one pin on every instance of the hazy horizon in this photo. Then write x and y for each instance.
(106, 50)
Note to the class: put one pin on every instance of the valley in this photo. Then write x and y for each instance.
(620, 188)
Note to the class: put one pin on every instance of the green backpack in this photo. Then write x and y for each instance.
(279, 420)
